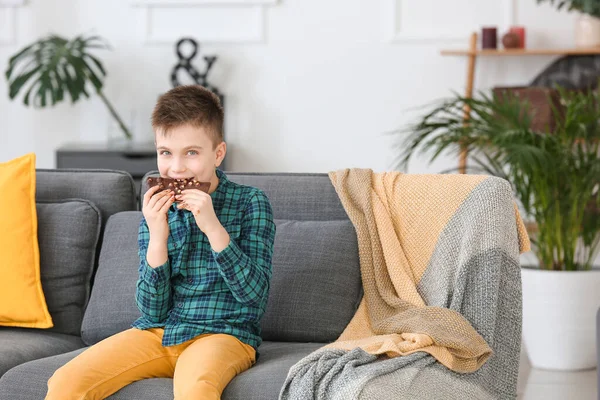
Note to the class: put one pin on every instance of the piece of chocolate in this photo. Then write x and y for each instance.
(177, 185)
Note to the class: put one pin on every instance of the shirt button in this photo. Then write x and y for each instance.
(180, 305)
(190, 280)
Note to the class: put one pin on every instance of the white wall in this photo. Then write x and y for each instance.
(311, 85)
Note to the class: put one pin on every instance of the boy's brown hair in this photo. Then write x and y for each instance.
(193, 105)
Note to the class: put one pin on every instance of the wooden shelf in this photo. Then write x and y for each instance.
(473, 52)
(523, 52)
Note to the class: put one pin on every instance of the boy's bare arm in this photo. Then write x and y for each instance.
(157, 253)
(218, 238)
(200, 205)
(155, 211)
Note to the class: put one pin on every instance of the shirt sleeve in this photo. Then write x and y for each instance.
(246, 264)
(153, 289)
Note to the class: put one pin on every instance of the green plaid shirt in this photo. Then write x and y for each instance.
(201, 291)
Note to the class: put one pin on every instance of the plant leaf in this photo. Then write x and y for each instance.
(55, 65)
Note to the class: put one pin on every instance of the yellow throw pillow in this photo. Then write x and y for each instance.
(22, 301)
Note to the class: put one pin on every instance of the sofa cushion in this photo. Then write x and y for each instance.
(68, 232)
(112, 307)
(110, 191)
(22, 301)
(270, 371)
(19, 345)
(315, 287)
(316, 283)
(261, 382)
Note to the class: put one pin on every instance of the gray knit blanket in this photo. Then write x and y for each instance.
(471, 272)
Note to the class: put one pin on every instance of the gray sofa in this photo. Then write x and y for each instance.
(88, 222)
(87, 232)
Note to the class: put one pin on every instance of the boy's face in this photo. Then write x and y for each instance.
(187, 152)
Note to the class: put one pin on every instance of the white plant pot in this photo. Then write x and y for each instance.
(559, 318)
(587, 31)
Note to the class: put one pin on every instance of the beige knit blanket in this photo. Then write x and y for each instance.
(398, 219)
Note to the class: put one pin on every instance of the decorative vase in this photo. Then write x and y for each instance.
(520, 31)
(489, 37)
(559, 318)
(511, 40)
(587, 31)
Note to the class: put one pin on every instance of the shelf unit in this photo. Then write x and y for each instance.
(472, 53)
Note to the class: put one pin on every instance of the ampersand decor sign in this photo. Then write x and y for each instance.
(185, 64)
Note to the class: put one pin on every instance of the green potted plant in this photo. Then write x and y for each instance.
(53, 68)
(556, 177)
(587, 28)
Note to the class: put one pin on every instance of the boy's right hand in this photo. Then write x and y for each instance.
(155, 208)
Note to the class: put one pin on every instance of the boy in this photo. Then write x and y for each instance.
(205, 268)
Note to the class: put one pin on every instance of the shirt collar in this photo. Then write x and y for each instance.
(222, 183)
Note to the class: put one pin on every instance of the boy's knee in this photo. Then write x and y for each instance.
(58, 386)
(62, 385)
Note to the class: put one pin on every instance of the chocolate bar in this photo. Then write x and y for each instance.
(177, 185)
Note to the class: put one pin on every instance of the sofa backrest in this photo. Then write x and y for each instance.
(109, 190)
(72, 206)
(316, 284)
(293, 196)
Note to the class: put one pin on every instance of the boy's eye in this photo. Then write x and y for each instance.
(165, 153)
(192, 152)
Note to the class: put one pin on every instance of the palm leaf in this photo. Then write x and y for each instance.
(555, 176)
(43, 66)
(591, 7)
(48, 68)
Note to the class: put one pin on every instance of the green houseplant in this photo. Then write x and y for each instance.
(589, 7)
(555, 175)
(53, 68)
(587, 26)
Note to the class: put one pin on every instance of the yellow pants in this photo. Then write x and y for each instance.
(200, 367)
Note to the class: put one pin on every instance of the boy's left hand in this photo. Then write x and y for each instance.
(200, 205)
